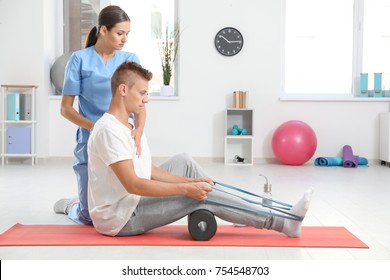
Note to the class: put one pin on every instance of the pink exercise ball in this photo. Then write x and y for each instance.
(294, 142)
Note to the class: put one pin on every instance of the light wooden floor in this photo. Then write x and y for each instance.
(358, 199)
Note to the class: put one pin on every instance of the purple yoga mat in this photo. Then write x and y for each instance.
(349, 160)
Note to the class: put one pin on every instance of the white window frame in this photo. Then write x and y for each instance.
(154, 92)
(60, 24)
(60, 46)
(357, 61)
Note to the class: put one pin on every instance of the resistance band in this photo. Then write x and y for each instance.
(277, 206)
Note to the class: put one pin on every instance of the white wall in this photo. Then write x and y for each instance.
(195, 123)
(207, 80)
(26, 52)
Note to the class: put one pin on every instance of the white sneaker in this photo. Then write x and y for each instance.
(63, 206)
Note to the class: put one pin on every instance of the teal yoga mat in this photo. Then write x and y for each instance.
(348, 160)
(336, 161)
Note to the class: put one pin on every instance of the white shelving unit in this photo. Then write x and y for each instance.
(239, 145)
(26, 119)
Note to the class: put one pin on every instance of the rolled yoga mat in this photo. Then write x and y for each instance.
(336, 161)
(349, 159)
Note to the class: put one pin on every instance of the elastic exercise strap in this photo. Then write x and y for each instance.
(278, 208)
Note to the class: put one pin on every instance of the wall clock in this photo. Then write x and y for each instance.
(229, 41)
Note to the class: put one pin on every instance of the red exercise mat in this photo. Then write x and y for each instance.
(177, 235)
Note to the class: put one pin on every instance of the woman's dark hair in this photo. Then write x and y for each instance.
(109, 16)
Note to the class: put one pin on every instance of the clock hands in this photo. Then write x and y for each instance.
(220, 36)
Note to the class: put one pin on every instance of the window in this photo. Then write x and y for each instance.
(79, 18)
(150, 19)
(327, 44)
(376, 43)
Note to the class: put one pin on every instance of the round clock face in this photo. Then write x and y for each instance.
(229, 41)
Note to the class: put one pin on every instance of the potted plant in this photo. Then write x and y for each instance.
(168, 47)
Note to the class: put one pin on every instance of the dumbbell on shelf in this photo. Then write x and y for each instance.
(236, 130)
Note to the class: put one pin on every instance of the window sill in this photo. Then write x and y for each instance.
(331, 98)
(157, 96)
(153, 96)
(55, 97)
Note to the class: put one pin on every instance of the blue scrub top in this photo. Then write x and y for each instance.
(87, 77)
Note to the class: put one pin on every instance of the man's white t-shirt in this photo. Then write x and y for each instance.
(110, 205)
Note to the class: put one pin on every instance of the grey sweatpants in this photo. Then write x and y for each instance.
(153, 212)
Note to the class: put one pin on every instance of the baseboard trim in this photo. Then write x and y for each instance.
(159, 160)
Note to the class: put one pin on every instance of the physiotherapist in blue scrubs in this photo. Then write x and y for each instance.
(88, 76)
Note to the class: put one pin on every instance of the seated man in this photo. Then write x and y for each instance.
(128, 195)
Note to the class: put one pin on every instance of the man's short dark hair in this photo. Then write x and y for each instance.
(127, 73)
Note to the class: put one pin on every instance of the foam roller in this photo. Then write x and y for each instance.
(202, 225)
